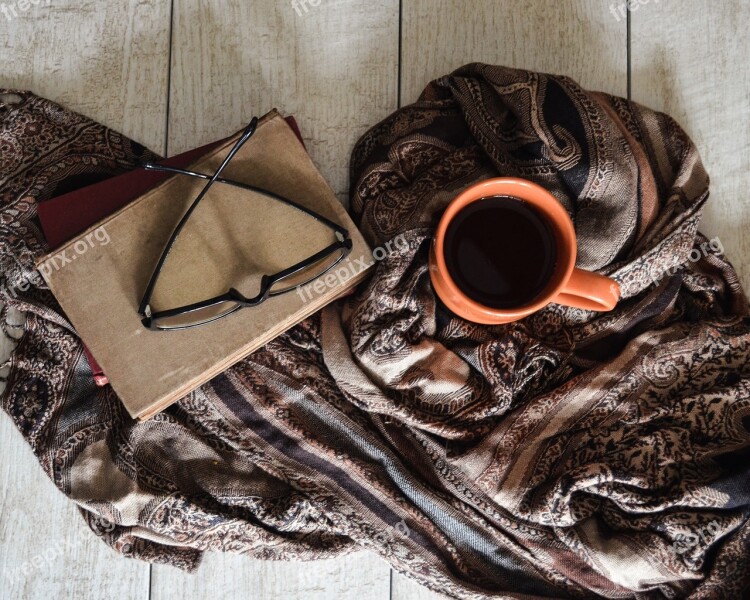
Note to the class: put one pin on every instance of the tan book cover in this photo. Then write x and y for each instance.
(232, 239)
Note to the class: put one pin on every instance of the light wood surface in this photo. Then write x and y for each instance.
(106, 59)
(580, 39)
(336, 67)
(358, 576)
(46, 549)
(333, 66)
(698, 73)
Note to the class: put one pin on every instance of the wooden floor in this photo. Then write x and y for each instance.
(177, 74)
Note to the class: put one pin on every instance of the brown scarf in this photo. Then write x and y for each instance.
(571, 454)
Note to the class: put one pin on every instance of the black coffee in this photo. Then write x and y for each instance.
(500, 252)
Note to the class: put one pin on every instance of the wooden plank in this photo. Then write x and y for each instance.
(357, 576)
(579, 38)
(583, 39)
(689, 59)
(404, 588)
(333, 64)
(107, 60)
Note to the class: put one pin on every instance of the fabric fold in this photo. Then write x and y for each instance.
(568, 455)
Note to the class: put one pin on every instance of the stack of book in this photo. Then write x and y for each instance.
(108, 237)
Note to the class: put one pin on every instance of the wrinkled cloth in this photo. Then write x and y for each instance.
(571, 454)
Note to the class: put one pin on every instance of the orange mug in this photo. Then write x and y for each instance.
(565, 285)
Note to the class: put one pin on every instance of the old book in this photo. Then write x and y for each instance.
(65, 216)
(232, 239)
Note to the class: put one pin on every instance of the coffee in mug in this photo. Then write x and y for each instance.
(500, 251)
(506, 247)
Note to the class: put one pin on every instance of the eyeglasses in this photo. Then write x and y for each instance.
(292, 277)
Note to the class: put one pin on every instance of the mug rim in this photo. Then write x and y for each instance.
(553, 212)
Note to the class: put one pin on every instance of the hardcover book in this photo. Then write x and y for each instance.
(233, 238)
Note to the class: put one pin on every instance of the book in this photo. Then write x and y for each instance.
(232, 239)
(67, 215)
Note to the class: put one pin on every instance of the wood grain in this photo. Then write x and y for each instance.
(578, 38)
(697, 72)
(403, 588)
(334, 66)
(231, 577)
(105, 59)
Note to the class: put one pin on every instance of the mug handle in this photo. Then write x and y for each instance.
(589, 291)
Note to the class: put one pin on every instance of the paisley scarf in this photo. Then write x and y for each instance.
(568, 455)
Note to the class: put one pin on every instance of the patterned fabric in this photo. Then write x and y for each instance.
(569, 455)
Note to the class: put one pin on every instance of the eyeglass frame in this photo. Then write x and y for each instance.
(343, 244)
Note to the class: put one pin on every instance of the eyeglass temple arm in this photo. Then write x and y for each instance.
(344, 245)
(245, 186)
(144, 309)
